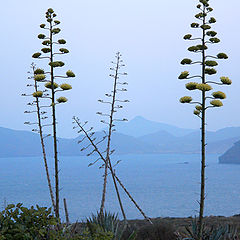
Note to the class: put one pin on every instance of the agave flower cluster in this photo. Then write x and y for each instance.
(48, 52)
(208, 62)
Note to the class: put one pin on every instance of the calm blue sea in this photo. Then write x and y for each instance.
(163, 185)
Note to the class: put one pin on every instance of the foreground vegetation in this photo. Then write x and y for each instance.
(18, 222)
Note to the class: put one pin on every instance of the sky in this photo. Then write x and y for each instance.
(149, 34)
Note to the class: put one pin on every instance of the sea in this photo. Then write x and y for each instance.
(163, 185)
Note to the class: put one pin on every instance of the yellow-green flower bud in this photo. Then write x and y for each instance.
(65, 86)
(39, 71)
(199, 6)
(204, 87)
(56, 22)
(214, 40)
(50, 86)
(69, 73)
(56, 64)
(219, 94)
(191, 86)
(61, 41)
(46, 50)
(39, 77)
(62, 100)
(42, 26)
(63, 50)
(38, 94)
(211, 63)
(185, 99)
(50, 10)
(222, 56)
(186, 61)
(196, 112)
(202, 47)
(46, 42)
(216, 103)
(226, 80)
(187, 36)
(183, 75)
(56, 30)
(36, 55)
(198, 107)
(211, 33)
(193, 49)
(209, 9)
(195, 25)
(205, 27)
(212, 20)
(210, 71)
(41, 36)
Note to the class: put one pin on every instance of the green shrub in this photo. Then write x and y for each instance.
(21, 223)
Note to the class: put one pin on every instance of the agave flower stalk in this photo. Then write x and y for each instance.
(207, 62)
(37, 94)
(49, 44)
(110, 167)
(115, 76)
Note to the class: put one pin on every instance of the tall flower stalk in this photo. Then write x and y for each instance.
(38, 94)
(207, 63)
(50, 43)
(115, 104)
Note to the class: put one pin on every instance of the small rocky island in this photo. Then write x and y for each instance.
(232, 155)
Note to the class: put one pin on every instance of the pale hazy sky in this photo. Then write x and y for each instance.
(149, 36)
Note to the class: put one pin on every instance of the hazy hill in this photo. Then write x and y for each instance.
(169, 139)
(140, 126)
(232, 155)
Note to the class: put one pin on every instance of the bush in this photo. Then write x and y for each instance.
(21, 223)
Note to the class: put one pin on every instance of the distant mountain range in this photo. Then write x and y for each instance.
(138, 136)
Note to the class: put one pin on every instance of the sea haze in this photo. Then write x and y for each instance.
(162, 184)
